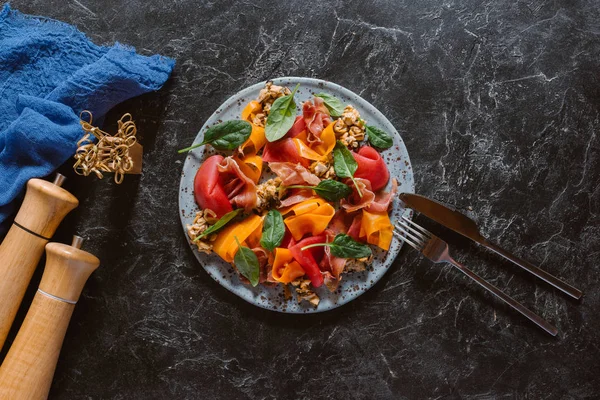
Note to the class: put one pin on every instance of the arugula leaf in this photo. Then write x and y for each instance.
(344, 164)
(333, 104)
(273, 230)
(379, 138)
(227, 135)
(224, 220)
(328, 189)
(247, 263)
(344, 246)
(281, 116)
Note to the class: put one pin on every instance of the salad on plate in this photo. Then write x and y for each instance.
(294, 200)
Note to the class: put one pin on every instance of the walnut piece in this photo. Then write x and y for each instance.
(303, 291)
(350, 128)
(269, 94)
(200, 224)
(358, 264)
(268, 194)
(323, 169)
(260, 119)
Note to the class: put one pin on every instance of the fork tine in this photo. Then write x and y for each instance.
(407, 241)
(419, 238)
(424, 238)
(414, 224)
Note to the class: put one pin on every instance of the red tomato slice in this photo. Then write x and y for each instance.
(208, 187)
(371, 167)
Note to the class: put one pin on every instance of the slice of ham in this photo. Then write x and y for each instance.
(296, 196)
(333, 266)
(354, 229)
(283, 150)
(293, 174)
(354, 202)
(348, 223)
(316, 118)
(241, 190)
(263, 262)
(375, 202)
(297, 128)
(384, 199)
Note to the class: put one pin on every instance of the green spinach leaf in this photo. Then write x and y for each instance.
(344, 246)
(281, 116)
(344, 164)
(224, 220)
(379, 138)
(328, 189)
(273, 230)
(227, 135)
(333, 104)
(247, 263)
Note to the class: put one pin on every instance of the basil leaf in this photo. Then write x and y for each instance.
(379, 138)
(273, 230)
(333, 104)
(224, 220)
(328, 189)
(344, 246)
(227, 135)
(281, 116)
(344, 163)
(246, 263)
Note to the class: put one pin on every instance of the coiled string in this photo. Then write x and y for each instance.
(110, 153)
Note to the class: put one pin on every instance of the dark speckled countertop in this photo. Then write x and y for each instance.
(498, 103)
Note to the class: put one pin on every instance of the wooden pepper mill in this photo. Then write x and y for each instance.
(29, 366)
(44, 207)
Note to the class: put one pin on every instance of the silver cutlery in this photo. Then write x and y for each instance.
(437, 251)
(467, 227)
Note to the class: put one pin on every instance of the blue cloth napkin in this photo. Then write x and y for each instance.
(49, 73)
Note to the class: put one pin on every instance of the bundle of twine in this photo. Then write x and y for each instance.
(110, 153)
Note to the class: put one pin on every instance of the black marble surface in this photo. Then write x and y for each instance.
(498, 103)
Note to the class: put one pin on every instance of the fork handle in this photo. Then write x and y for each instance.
(543, 275)
(536, 319)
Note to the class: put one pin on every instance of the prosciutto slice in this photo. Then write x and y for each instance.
(343, 222)
(283, 150)
(316, 118)
(374, 202)
(241, 190)
(293, 174)
(296, 196)
(383, 199)
(354, 202)
(331, 265)
(297, 128)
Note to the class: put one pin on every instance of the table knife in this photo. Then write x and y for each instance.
(465, 226)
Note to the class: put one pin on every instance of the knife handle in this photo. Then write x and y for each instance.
(543, 275)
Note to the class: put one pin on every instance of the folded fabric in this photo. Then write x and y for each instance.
(49, 73)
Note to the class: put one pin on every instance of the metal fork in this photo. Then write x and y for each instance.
(437, 251)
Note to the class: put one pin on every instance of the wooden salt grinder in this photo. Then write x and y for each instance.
(29, 367)
(44, 207)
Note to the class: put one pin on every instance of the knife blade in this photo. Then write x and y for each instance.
(465, 226)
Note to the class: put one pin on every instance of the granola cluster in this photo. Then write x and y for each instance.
(323, 169)
(358, 264)
(303, 291)
(201, 223)
(268, 194)
(350, 128)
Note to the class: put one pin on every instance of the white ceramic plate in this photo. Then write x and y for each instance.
(352, 284)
